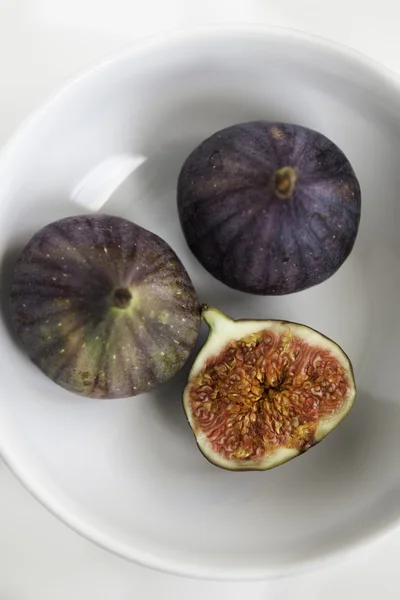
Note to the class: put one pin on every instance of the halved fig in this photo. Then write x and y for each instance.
(262, 392)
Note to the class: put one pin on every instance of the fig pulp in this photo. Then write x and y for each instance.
(104, 307)
(262, 392)
(269, 208)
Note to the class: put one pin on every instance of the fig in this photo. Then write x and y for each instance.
(104, 307)
(269, 208)
(262, 392)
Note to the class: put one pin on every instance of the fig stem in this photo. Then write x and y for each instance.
(285, 182)
(122, 298)
(214, 317)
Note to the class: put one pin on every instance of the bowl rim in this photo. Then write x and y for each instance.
(160, 42)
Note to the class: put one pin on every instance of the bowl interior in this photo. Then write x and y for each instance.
(127, 473)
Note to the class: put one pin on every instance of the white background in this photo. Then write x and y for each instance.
(42, 44)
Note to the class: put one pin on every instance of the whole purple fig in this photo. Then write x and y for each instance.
(269, 208)
(104, 307)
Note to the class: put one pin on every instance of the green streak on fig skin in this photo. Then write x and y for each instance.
(104, 307)
(285, 182)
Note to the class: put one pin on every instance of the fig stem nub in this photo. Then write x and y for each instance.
(214, 318)
(122, 298)
(285, 182)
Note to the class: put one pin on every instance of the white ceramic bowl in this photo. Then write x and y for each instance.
(127, 474)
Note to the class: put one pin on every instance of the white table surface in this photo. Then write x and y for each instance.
(42, 44)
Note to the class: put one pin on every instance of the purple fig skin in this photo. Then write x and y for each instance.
(269, 208)
(104, 307)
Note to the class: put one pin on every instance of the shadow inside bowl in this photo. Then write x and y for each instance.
(7, 267)
(353, 472)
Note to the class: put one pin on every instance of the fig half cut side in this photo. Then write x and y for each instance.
(262, 392)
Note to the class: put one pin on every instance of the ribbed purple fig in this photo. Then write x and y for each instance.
(269, 208)
(104, 307)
